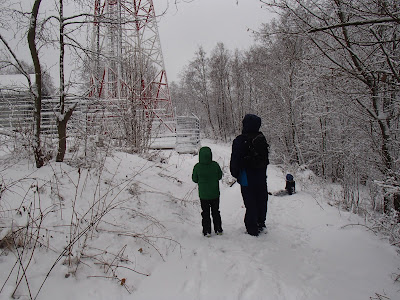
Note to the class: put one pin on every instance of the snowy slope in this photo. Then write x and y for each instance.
(308, 251)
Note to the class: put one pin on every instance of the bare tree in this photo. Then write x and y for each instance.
(37, 149)
(359, 43)
(220, 89)
(196, 81)
(64, 113)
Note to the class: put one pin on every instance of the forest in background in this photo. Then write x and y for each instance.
(325, 79)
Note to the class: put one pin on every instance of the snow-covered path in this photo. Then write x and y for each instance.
(305, 254)
(311, 250)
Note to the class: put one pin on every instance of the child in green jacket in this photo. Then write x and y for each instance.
(207, 173)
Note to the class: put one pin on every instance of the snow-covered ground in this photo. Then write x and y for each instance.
(150, 246)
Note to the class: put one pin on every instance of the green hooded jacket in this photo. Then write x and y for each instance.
(207, 173)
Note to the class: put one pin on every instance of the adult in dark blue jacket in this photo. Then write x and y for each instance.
(251, 172)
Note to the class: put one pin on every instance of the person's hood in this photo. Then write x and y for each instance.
(251, 123)
(205, 155)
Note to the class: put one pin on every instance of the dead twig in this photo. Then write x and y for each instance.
(360, 225)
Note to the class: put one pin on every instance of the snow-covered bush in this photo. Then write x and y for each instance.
(70, 218)
(366, 200)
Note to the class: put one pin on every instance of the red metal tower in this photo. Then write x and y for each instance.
(127, 64)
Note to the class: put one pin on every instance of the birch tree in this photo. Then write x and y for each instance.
(196, 81)
(221, 90)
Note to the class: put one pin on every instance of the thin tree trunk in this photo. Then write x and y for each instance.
(206, 100)
(64, 116)
(37, 149)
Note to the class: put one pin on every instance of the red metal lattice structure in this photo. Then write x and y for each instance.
(127, 61)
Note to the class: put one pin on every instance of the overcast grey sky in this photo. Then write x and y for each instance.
(191, 23)
(187, 25)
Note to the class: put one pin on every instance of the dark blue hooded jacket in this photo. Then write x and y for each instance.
(251, 127)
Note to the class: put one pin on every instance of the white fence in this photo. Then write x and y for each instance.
(187, 134)
(16, 114)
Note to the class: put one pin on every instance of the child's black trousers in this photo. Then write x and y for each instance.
(213, 206)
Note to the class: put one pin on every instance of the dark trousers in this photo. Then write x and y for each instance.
(206, 206)
(290, 187)
(255, 200)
